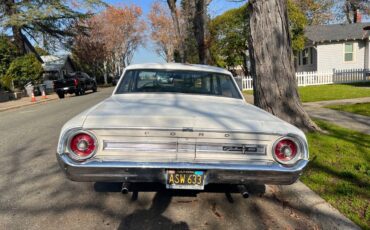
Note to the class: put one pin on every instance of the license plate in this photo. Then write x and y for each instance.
(65, 88)
(185, 179)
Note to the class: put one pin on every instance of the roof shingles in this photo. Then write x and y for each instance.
(54, 63)
(338, 32)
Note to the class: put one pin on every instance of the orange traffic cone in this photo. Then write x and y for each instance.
(44, 95)
(33, 98)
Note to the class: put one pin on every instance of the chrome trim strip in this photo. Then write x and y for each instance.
(96, 163)
(244, 149)
(181, 129)
(201, 147)
(140, 146)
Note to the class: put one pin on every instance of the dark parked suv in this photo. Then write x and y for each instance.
(77, 83)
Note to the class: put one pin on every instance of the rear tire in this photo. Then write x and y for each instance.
(77, 93)
(61, 95)
(94, 89)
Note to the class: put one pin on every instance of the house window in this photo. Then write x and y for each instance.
(348, 52)
(307, 56)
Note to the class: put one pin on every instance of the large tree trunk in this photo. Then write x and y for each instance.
(175, 18)
(105, 66)
(19, 40)
(245, 64)
(201, 30)
(10, 9)
(272, 69)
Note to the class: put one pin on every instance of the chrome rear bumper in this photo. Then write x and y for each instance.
(119, 171)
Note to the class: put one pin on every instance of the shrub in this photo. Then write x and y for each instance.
(8, 52)
(24, 69)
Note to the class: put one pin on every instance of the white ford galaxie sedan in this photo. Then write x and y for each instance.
(185, 126)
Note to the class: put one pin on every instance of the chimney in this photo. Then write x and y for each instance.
(357, 16)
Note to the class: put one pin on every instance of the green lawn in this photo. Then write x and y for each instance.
(360, 108)
(339, 170)
(331, 92)
(248, 92)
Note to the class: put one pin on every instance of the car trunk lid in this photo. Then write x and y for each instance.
(181, 112)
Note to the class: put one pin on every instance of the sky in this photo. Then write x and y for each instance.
(147, 54)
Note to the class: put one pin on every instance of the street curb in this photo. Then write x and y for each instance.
(302, 198)
(25, 105)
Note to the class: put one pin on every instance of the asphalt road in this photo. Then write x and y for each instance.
(35, 194)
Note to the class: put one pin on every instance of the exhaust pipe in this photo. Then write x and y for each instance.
(243, 190)
(125, 188)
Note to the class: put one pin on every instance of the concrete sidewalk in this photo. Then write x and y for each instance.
(25, 101)
(345, 119)
(337, 102)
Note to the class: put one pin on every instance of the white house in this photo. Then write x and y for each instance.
(335, 47)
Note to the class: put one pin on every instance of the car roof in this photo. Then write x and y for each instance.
(178, 66)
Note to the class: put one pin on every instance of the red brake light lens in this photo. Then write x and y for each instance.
(285, 150)
(83, 145)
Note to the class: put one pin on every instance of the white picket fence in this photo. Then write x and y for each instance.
(321, 78)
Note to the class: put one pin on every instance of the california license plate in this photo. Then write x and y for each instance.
(185, 179)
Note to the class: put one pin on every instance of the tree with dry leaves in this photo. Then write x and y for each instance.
(116, 33)
(123, 32)
(317, 12)
(354, 8)
(178, 31)
(163, 31)
(194, 24)
(89, 50)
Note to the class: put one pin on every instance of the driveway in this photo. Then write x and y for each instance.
(34, 193)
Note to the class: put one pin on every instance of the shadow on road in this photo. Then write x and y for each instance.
(152, 218)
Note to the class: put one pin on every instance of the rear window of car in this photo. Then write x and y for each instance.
(174, 81)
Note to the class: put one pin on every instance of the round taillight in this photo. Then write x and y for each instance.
(82, 145)
(285, 150)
